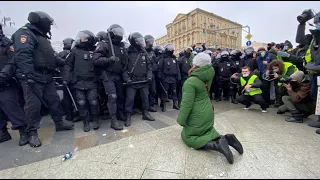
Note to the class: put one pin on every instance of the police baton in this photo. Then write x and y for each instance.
(164, 90)
(137, 82)
(112, 50)
(72, 99)
(31, 85)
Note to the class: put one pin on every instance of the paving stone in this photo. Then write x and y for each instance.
(152, 174)
(83, 142)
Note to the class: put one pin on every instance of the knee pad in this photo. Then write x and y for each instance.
(94, 103)
(81, 102)
(174, 91)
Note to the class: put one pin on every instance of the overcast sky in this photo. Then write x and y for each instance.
(269, 21)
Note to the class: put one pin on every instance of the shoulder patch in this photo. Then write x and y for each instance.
(23, 39)
(12, 48)
(24, 27)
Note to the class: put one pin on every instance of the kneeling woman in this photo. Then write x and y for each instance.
(196, 112)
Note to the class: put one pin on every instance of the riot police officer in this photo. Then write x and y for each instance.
(80, 66)
(137, 75)
(236, 59)
(249, 60)
(36, 62)
(225, 69)
(152, 88)
(185, 63)
(112, 60)
(10, 108)
(66, 101)
(169, 74)
(159, 52)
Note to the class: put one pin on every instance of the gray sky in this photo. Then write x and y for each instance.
(269, 21)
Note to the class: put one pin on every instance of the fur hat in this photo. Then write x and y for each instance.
(298, 76)
(201, 59)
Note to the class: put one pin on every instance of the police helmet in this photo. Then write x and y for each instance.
(316, 18)
(102, 35)
(224, 54)
(116, 31)
(236, 53)
(249, 51)
(158, 49)
(150, 41)
(84, 37)
(169, 48)
(41, 20)
(67, 43)
(126, 44)
(136, 39)
(181, 53)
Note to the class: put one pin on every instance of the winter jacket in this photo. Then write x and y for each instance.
(196, 114)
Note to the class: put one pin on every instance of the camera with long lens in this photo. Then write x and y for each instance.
(305, 16)
(285, 80)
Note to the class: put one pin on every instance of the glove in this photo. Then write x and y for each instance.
(149, 80)
(129, 82)
(30, 82)
(65, 83)
(283, 54)
(102, 47)
(114, 58)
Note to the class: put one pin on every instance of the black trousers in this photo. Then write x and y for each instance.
(170, 87)
(116, 98)
(225, 86)
(10, 109)
(266, 90)
(90, 96)
(247, 100)
(152, 91)
(48, 93)
(180, 89)
(130, 97)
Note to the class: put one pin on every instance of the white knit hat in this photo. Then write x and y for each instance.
(201, 59)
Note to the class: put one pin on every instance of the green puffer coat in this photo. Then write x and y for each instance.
(196, 114)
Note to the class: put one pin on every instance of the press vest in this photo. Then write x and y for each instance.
(308, 58)
(252, 91)
(286, 67)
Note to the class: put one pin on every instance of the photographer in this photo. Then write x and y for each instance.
(250, 85)
(299, 101)
(312, 56)
(277, 70)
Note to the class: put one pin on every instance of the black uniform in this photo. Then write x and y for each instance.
(225, 70)
(139, 68)
(237, 61)
(36, 63)
(10, 108)
(169, 74)
(112, 70)
(159, 53)
(84, 78)
(184, 66)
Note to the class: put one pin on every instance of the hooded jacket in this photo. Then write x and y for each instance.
(196, 114)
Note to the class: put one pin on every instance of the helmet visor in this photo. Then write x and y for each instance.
(140, 42)
(118, 31)
(170, 47)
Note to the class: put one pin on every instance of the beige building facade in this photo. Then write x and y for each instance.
(199, 26)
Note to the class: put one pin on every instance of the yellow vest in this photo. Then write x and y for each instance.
(308, 58)
(286, 67)
(252, 91)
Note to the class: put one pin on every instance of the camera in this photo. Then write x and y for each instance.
(305, 16)
(285, 80)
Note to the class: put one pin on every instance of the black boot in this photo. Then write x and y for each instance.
(221, 145)
(86, 124)
(164, 106)
(95, 122)
(128, 120)
(63, 126)
(33, 139)
(278, 99)
(233, 100)
(218, 99)
(23, 136)
(152, 109)
(297, 117)
(69, 117)
(280, 112)
(115, 124)
(234, 142)
(121, 116)
(179, 103)
(147, 116)
(315, 124)
(175, 105)
(318, 131)
(226, 98)
(76, 119)
(161, 104)
(4, 135)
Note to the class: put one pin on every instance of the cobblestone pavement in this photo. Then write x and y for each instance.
(273, 148)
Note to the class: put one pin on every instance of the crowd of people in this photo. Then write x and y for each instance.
(101, 74)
